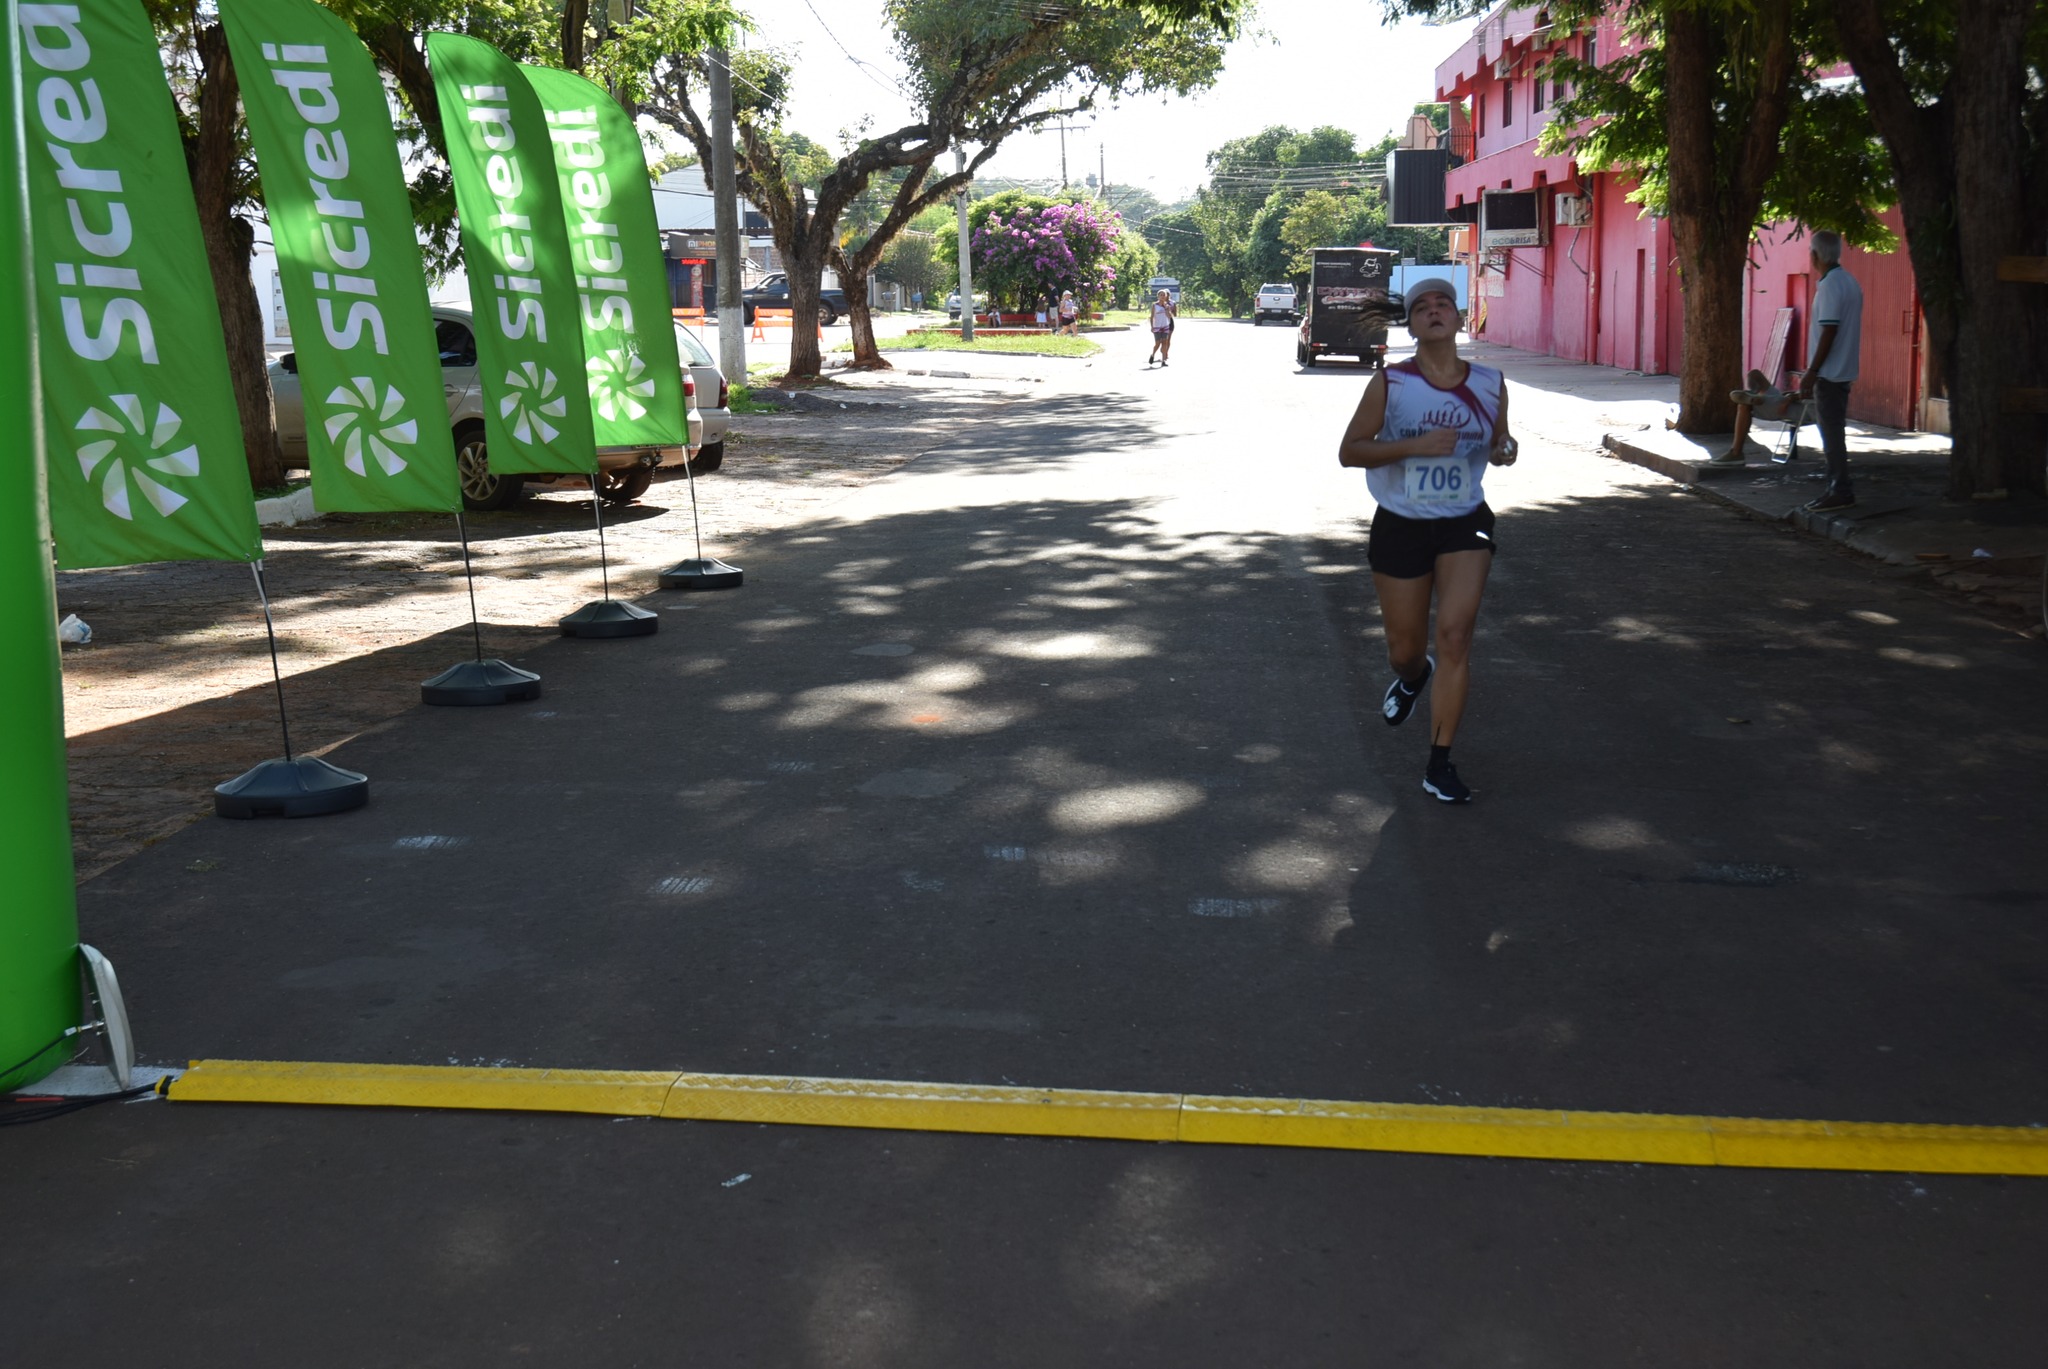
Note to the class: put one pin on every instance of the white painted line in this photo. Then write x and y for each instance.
(792, 767)
(428, 843)
(1012, 853)
(684, 884)
(1234, 907)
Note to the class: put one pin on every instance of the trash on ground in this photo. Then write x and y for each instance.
(73, 630)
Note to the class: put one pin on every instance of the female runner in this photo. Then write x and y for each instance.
(1424, 433)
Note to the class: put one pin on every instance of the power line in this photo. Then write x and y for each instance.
(867, 69)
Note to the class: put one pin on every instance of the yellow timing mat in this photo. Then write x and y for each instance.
(1525, 1133)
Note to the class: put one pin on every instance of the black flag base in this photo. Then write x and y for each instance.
(475, 683)
(302, 787)
(702, 573)
(611, 618)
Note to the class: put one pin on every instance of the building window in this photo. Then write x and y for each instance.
(1507, 103)
(1592, 52)
(1536, 96)
(1479, 112)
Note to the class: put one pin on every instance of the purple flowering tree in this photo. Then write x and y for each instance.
(1029, 258)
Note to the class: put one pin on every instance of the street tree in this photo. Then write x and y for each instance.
(978, 74)
(1959, 91)
(1317, 219)
(1702, 106)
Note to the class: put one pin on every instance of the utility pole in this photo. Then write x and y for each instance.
(725, 201)
(1102, 171)
(966, 264)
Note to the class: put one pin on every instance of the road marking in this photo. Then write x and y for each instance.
(429, 843)
(683, 884)
(1525, 1133)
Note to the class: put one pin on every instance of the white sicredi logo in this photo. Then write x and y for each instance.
(532, 395)
(147, 443)
(368, 425)
(618, 384)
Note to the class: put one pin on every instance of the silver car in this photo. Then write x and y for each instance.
(713, 401)
(623, 473)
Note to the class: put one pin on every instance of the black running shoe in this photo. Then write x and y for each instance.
(1443, 782)
(1832, 500)
(1401, 696)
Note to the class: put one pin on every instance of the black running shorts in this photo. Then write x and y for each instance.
(1407, 548)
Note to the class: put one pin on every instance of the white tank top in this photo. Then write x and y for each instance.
(1436, 486)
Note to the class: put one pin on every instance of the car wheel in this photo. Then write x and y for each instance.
(826, 318)
(709, 458)
(482, 488)
(624, 485)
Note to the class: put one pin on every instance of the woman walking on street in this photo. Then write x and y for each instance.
(1163, 315)
(1424, 433)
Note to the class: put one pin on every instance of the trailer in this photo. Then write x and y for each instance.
(1350, 304)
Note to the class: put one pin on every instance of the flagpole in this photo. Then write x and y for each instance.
(293, 786)
(700, 573)
(481, 681)
(608, 617)
(277, 676)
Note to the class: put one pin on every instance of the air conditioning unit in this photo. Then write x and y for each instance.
(1502, 69)
(1573, 211)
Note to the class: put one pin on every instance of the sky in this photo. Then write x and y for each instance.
(1302, 63)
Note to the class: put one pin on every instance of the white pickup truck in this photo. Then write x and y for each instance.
(1275, 301)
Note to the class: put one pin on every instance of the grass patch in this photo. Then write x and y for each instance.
(1047, 346)
(280, 491)
(740, 399)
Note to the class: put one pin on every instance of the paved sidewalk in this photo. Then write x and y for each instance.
(1991, 552)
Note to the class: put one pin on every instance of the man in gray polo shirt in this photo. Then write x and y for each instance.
(1834, 339)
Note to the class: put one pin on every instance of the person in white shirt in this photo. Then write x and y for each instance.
(1834, 338)
(1163, 316)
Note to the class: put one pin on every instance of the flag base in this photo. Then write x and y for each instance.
(611, 618)
(304, 787)
(709, 573)
(105, 989)
(475, 683)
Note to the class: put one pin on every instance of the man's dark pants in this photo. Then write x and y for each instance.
(1832, 402)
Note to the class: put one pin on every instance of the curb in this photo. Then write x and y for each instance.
(287, 511)
(1835, 527)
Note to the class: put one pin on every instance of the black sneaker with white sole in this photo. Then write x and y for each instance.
(1400, 698)
(1442, 781)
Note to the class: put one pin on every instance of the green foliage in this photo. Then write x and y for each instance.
(913, 262)
(1075, 55)
(1317, 219)
(1832, 174)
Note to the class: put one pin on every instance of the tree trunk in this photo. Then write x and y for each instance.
(1714, 197)
(866, 355)
(1998, 337)
(1967, 173)
(806, 269)
(1712, 260)
(229, 242)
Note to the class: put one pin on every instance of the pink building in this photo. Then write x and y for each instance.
(1563, 264)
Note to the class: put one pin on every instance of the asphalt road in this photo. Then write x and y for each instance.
(1054, 758)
